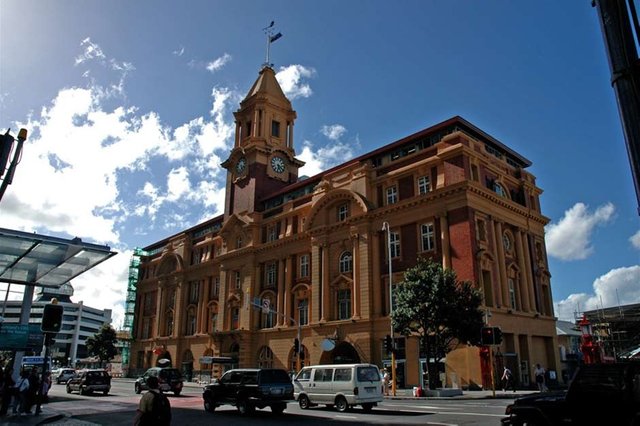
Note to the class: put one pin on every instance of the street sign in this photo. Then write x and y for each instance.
(20, 337)
(266, 303)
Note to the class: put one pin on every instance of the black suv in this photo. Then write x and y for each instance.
(170, 380)
(89, 381)
(248, 389)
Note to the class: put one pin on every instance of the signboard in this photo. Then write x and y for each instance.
(266, 303)
(20, 336)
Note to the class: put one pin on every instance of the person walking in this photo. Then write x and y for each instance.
(154, 408)
(539, 373)
(386, 379)
(507, 380)
(8, 390)
(43, 392)
(21, 390)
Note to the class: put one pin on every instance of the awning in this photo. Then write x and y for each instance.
(38, 260)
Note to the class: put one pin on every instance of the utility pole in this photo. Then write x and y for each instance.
(625, 73)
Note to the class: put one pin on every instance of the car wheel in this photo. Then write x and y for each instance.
(138, 388)
(209, 406)
(106, 392)
(68, 389)
(341, 404)
(244, 407)
(82, 392)
(303, 401)
(367, 407)
(278, 408)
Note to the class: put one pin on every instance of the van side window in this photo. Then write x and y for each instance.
(304, 374)
(342, 375)
(323, 375)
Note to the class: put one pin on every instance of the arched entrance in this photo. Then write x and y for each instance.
(343, 353)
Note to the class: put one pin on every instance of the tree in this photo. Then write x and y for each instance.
(431, 303)
(103, 344)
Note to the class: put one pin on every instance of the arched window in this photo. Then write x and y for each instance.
(499, 189)
(346, 262)
(265, 358)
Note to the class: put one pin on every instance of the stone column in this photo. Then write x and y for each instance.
(355, 299)
(288, 284)
(202, 306)
(376, 274)
(495, 285)
(446, 245)
(280, 293)
(524, 277)
(316, 276)
(179, 308)
(501, 266)
(326, 296)
(529, 270)
(159, 313)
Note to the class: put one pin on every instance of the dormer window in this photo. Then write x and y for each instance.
(275, 128)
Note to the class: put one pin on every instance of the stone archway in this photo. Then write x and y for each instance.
(343, 353)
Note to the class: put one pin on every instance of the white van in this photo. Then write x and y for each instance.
(339, 385)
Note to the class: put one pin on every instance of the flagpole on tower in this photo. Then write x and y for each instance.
(271, 37)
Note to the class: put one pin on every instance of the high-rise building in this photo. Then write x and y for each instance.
(307, 257)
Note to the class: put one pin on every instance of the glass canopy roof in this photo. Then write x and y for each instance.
(38, 260)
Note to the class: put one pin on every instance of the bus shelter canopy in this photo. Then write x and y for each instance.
(38, 260)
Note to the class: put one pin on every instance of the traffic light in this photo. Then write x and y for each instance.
(487, 336)
(296, 346)
(388, 344)
(51, 318)
(491, 336)
(6, 145)
(497, 335)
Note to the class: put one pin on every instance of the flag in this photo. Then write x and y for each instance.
(275, 37)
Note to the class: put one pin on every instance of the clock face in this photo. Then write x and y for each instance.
(277, 164)
(241, 165)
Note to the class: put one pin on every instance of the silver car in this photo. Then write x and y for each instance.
(64, 374)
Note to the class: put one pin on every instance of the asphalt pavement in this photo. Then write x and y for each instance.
(50, 415)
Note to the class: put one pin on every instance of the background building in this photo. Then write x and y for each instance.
(311, 252)
(78, 322)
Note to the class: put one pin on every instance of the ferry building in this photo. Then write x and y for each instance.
(307, 259)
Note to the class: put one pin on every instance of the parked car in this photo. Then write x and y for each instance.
(248, 389)
(169, 379)
(339, 385)
(599, 394)
(62, 375)
(89, 381)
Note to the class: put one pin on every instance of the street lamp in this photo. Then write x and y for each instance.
(387, 227)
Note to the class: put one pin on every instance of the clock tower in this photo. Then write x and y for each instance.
(262, 160)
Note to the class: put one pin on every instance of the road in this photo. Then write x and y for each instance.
(118, 408)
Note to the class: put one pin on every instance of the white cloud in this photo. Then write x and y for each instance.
(570, 238)
(324, 158)
(290, 79)
(617, 287)
(218, 63)
(179, 51)
(635, 240)
(91, 51)
(334, 132)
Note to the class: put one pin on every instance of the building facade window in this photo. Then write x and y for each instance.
(271, 274)
(215, 288)
(343, 212)
(394, 242)
(344, 304)
(424, 185)
(265, 358)
(146, 328)
(507, 243)
(275, 128)
(235, 318)
(303, 311)
(304, 266)
(194, 292)
(512, 294)
(268, 319)
(191, 322)
(392, 195)
(272, 233)
(239, 242)
(346, 262)
(237, 280)
(481, 229)
(499, 189)
(428, 240)
(169, 323)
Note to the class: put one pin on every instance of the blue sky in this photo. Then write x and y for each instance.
(129, 108)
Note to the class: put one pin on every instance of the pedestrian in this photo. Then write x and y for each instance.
(8, 390)
(43, 391)
(32, 393)
(21, 390)
(386, 379)
(507, 380)
(154, 408)
(539, 373)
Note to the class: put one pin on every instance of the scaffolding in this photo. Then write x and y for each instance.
(130, 303)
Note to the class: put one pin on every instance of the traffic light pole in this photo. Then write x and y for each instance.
(387, 227)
